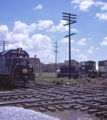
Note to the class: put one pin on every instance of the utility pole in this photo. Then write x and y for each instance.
(70, 18)
(56, 51)
(4, 43)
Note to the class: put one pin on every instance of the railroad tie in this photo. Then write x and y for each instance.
(59, 108)
(42, 109)
(84, 108)
(50, 108)
(78, 107)
(90, 111)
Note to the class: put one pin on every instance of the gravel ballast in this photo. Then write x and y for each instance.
(19, 113)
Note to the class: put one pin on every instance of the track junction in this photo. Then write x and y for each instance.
(53, 98)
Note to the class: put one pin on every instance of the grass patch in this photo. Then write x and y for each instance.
(52, 79)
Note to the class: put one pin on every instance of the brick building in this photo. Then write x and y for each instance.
(49, 68)
(37, 64)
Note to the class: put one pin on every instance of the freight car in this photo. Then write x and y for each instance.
(102, 68)
(15, 68)
(76, 70)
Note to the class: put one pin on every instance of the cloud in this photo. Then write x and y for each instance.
(40, 42)
(43, 24)
(45, 56)
(18, 38)
(59, 28)
(3, 32)
(74, 30)
(97, 48)
(23, 28)
(82, 42)
(104, 42)
(90, 50)
(75, 1)
(82, 57)
(73, 49)
(20, 45)
(66, 40)
(38, 7)
(90, 38)
(102, 16)
(77, 50)
(75, 6)
(105, 38)
(91, 47)
(85, 4)
(104, 7)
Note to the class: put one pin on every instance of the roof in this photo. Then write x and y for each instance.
(87, 61)
(37, 60)
(3, 53)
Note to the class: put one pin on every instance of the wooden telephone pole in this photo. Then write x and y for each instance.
(70, 18)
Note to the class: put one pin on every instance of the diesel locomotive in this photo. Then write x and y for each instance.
(81, 69)
(15, 68)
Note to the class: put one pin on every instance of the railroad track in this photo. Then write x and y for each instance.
(45, 97)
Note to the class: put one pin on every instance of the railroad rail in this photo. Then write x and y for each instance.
(45, 97)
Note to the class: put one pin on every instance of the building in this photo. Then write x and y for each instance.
(37, 64)
(49, 68)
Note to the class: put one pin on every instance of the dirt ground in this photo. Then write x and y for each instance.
(91, 82)
(73, 115)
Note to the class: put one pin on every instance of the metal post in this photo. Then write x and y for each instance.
(56, 51)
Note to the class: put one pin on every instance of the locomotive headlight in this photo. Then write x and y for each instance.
(25, 71)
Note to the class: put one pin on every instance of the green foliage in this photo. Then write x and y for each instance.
(52, 79)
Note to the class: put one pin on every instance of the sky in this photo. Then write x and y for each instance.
(35, 25)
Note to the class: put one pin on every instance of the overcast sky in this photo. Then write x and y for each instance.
(35, 25)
